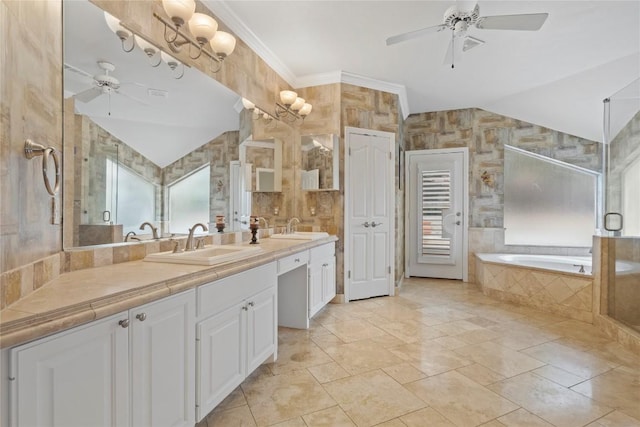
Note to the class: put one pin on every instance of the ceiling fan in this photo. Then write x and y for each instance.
(102, 83)
(459, 21)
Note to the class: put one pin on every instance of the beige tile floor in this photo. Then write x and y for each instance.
(439, 354)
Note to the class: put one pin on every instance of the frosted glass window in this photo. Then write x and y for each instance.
(189, 201)
(630, 199)
(547, 202)
(130, 196)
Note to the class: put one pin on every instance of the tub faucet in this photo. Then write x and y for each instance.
(131, 236)
(189, 246)
(290, 229)
(154, 230)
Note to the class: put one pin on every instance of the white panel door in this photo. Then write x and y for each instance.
(262, 328)
(221, 357)
(370, 219)
(78, 378)
(163, 362)
(436, 226)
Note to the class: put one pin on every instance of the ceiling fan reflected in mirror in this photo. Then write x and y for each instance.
(103, 83)
(459, 20)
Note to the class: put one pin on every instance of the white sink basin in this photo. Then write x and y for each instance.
(301, 235)
(210, 255)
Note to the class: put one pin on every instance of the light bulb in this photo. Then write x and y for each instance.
(203, 27)
(180, 11)
(223, 44)
(248, 104)
(305, 110)
(288, 97)
(298, 103)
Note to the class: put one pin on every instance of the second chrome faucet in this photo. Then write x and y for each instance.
(189, 245)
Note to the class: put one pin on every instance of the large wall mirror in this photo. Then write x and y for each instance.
(143, 140)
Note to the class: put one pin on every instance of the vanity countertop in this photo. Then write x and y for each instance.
(81, 296)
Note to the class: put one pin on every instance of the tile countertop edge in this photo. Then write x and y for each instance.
(36, 325)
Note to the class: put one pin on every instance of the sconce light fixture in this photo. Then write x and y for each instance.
(291, 107)
(130, 40)
(203, 30)
(257, 113)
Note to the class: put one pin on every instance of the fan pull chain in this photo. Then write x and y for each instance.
(453, 48)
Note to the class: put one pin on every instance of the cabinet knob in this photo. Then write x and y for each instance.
(141, 317)
(251, 304)
(245, 308)
(325, 265)
(297, 260)
(124, 323)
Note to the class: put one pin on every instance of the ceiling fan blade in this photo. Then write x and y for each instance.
(524, 22)
(88, 95)
(414, 34)
(133, 98)
(71, 68)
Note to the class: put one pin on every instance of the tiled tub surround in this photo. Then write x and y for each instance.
(558, 292)
(81, 296)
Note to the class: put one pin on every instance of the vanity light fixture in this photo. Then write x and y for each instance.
(150, 50)
(291, 107)
(123, 34)
(257, 113)
(202, 31)
(173, 63)
(153, 53)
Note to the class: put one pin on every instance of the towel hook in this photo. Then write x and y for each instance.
(31, 150)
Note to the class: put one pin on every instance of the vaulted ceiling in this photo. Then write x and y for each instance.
(555, 77)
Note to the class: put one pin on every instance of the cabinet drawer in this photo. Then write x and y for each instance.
(219, 295)
(290, 262)
(323, 252)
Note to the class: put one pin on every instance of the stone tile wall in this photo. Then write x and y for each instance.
(564, 294)
(485, 134)
(30, 107)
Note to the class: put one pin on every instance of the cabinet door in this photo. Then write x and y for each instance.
(221, 357)
(75, 378)
(262, 328)
(163, 362)
(328, 280)
(316, 275)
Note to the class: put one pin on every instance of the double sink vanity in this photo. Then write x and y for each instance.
(160, 341)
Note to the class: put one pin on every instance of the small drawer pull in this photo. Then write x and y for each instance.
(124, 323)
(141, 317)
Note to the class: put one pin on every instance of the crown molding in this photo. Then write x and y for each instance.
(235, 24)
(228, 16)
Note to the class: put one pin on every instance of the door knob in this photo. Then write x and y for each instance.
(458, 222)
(141, 317)
(373, 224)
(366, 224)
(124, 323)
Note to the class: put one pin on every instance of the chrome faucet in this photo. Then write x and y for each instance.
(189, 246)
(131, 236)
(290, 225)
(154, 230)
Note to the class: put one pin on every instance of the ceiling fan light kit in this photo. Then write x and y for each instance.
(461, 21)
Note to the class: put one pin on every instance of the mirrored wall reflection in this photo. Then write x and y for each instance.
(153, 128)
(319, 162)
(622, 138)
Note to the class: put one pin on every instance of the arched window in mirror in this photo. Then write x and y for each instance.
(130, 198)
(189, 201)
